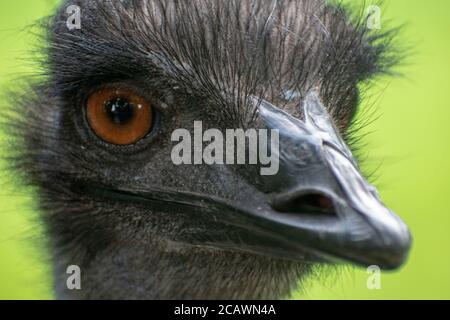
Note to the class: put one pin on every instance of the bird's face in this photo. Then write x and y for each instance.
(137, 71)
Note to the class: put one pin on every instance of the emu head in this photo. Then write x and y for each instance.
(97, 144)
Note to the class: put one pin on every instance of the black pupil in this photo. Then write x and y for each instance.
(119, 110)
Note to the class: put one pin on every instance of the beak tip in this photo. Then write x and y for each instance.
(398, 251)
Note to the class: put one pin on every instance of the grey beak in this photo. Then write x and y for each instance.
(321, 207)
(317, 167)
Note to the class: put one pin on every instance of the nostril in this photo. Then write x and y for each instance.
(306, 204)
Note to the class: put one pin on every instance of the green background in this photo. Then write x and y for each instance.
(410, 142)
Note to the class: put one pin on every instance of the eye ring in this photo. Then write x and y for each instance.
(119, 116)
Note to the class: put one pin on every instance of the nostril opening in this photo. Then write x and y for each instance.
(307, 204)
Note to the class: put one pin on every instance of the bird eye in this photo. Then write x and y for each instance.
(119, 116)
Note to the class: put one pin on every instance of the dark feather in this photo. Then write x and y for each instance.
(216, 54)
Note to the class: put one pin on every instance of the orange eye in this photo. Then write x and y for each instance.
(119, 116)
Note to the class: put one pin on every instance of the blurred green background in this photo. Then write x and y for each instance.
(410, 142)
